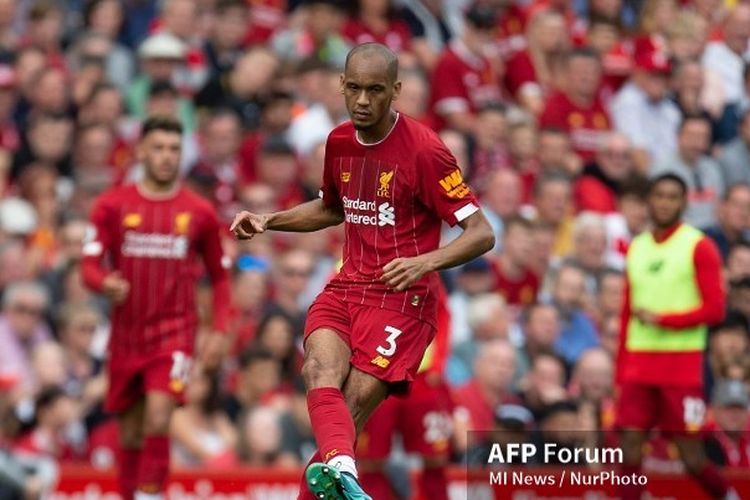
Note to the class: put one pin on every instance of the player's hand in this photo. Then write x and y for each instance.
(247, 224)
(403, 272)
(115, 287)
(211, 350)
(646, 317)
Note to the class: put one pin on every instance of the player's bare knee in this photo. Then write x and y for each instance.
(318, 374)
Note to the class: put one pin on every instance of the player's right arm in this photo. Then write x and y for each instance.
(97, 245)
(304, 218)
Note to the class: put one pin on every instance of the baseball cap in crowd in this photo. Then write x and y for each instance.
(162, 46)
(653, 61)
(730, 393)
(7, 77)
(17, 216)
(482, 16)
(514, 417)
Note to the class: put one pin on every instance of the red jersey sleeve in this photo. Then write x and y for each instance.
(707, 262)
(449, 93)
(97, 243)
(329, 192)
(441, 186)
(213, 257)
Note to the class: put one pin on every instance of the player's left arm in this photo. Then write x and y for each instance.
(707, 261)
(213, 257)
(441, 188)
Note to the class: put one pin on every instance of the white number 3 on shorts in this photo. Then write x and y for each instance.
(390, 348)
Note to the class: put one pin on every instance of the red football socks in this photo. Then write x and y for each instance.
(128, 460)
(433, 484)
(154, 465)
(332, 424)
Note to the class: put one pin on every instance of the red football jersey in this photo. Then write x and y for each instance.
(462, 82)
(395, 195)
(587, 126)
(521, 292)
(155, 244)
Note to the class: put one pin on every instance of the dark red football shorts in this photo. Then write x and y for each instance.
(130, 378)
(671, 409)
(423, 419)
(388, 345)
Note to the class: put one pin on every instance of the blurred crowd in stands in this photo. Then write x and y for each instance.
(558, 111)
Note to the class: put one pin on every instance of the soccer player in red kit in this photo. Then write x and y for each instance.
(392, 182)
(673, 292)
(143, 253)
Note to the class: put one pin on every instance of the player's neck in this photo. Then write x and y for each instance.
(157, 190)
(379, 132)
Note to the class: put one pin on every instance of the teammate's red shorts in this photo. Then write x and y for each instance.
(130, 378)
(671, 409)
(386, 344)
(423, 419)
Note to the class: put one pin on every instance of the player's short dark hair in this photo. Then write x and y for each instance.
(161, 123)
(372, 48)
(668, 177)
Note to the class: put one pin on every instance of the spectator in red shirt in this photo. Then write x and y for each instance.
(377, 21)
(605, 39)
(490, 387)
(597, 189)
(728, 444)
(464, 79)
(54, 413)
(490, 152)
(529, 73)
(516, 282)
(577, 108)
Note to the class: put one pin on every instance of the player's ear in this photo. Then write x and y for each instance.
(396, 89)
(341, 83)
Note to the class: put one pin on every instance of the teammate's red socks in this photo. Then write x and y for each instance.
(433, 484)
(376, 485)
(154, 464)
(128, 460)
(332, 424)
(712, 481)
